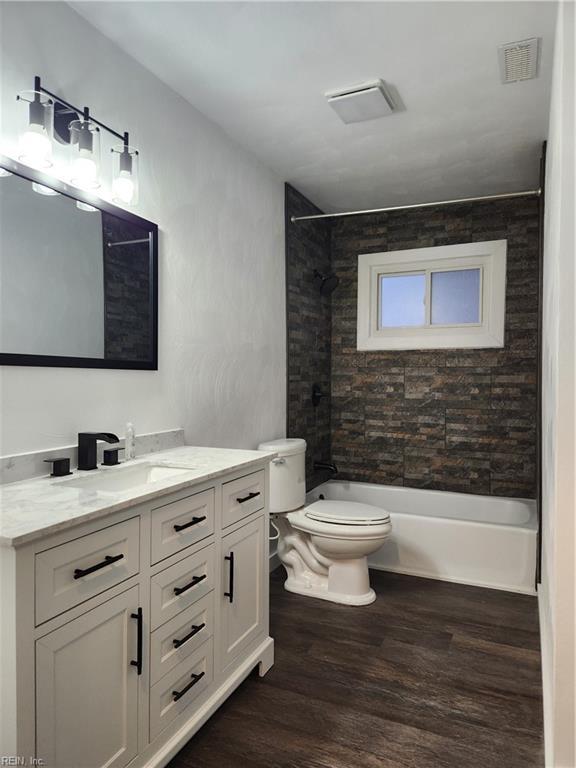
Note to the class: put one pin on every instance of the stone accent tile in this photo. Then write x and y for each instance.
(309, 332)
(524, 489)
(516, 391)
(485, 430)
(382, 466)
(449, 385)
(348, 430)
(390, 425)
(443, 470)
(513, 475)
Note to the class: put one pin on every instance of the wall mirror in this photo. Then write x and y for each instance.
(78, 277)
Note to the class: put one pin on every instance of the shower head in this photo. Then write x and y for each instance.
(326, 283)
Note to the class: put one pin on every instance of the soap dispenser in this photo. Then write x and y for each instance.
(130, 442)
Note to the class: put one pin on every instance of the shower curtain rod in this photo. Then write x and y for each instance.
(503, 196)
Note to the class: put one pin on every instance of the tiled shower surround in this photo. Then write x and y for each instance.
(309, 316)
(456, 420)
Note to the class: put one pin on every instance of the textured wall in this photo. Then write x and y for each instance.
(460, 420)
(307, 249)
(220, 212)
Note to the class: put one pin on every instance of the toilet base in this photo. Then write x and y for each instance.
(323, 593)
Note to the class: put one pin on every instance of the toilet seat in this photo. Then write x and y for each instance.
(346, 513)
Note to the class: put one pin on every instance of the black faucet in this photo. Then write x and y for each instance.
(326, 466)
(87, 447)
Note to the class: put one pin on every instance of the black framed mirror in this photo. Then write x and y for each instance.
(78, 277)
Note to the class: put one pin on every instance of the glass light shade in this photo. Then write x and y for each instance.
(85, 206)
(42, 190)
(125, 175)
(35, 145)
(85, 154)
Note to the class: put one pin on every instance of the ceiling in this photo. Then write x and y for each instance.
(260, 70)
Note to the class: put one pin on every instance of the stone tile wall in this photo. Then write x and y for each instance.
(309, 314)
(127, 309)
(458, 420)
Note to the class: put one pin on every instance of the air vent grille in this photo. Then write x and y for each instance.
(519, 61)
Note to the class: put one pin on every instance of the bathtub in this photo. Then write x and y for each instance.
(487, 541)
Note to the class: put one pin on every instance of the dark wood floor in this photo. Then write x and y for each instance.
(430, 675)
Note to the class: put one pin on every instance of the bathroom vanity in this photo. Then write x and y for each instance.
(134, 601)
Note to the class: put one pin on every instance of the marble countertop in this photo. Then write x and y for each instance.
(32, 509)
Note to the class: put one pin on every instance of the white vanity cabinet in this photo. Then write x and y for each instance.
(243, 602)
(126, 632)
(87, 687)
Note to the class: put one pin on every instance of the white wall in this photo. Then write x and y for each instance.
(222, 316)
(556, 595)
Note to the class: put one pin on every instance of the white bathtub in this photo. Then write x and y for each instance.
(483, 540)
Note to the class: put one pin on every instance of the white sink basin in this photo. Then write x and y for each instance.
(126, 478)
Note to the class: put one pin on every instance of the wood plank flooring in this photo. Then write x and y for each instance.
(431, 675)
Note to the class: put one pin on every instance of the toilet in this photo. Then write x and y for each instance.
(324, 545)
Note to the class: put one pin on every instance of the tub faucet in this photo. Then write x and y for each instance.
(326, 467)
(87, 447)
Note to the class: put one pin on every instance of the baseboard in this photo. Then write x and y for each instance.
(546, 657)
(439, 577)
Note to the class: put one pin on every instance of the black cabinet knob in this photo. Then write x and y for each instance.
(60, 467)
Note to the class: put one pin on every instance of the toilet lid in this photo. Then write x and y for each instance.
(346, 513)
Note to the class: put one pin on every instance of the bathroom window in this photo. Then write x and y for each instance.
(448, 296)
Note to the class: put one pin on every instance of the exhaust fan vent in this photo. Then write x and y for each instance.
(519, 61)
(358, 103)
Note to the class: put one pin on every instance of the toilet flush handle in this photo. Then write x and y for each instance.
(279, 460)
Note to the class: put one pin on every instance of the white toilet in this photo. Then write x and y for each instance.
(323, 545)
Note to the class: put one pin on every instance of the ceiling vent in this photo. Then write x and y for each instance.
(366, 101)
(519, 61)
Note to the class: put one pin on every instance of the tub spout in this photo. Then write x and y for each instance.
(326, 466)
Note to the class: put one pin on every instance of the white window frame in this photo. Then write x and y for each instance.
(489, 257)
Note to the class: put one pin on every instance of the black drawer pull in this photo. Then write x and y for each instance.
(247, 498)
(195, 580)
(194, 521)
(108, 560)
(178, 694)
(195, 630)
(230, 593)
(138, 662)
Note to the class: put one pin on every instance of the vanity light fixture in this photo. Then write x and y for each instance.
(125, 174)
(50, 116)
(85, 207)
(35, 146)
(42, 190)
(85, 152)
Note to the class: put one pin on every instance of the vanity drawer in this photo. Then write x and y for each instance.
(177, 587)
(174, 641)
(180, 688)
(242, 497)
(73, 572)
(179, 524)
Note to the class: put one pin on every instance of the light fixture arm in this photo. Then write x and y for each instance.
(85, 112)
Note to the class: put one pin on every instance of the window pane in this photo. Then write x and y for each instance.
(455, 297)
(402, 300)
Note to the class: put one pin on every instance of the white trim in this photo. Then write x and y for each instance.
(547, 666)
(489, 257)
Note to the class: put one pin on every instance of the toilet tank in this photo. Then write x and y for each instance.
(287, 473)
